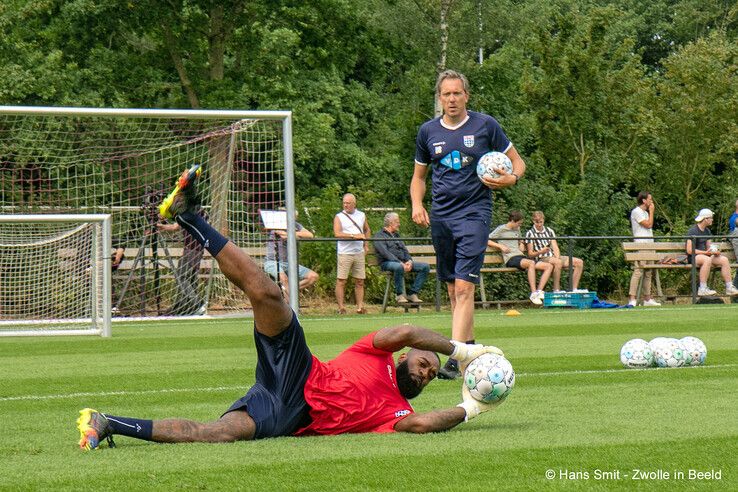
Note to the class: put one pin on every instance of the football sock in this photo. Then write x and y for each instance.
(470, 342)
(126, 426)
(203, 232)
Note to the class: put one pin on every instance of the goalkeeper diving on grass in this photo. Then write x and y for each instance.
(362, 390)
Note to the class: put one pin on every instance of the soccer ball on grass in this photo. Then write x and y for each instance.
(695, 351)
(668, 352)
(489, 378)
(636, 353)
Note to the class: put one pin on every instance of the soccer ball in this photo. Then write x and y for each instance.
(490, 378)
(491, 162)
(667, 352)
(714, 248)
(694, 350)
(636, 353)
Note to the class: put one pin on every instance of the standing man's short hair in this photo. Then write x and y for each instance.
(642, 197)
(389, 218)
(538, 215)
(451, 74)
(515, 216)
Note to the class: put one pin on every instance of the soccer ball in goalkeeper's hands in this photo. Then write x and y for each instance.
(490, 164)
(490, 378)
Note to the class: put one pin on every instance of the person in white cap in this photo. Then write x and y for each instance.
(707, 256)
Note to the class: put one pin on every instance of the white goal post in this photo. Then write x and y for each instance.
(123, 162)
(55, 275)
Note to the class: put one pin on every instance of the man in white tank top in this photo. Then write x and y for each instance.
(351, 224)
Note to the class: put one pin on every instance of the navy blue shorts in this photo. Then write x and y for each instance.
(276, 401)
(515, 262)
(460, 246)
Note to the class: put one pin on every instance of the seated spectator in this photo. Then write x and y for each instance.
(393, 256)
(510, 244)
(542, 247)
(706, 256)
(276, 258)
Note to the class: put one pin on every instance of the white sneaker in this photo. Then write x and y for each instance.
(559, 291)
(536, 297)
(414, 298)
(731, 290)
(651, 302)
(580, 291)
(632, 303)
(705, 291)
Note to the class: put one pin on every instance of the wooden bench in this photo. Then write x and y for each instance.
(423, 253)
(175, 253)
(427, 254)
(656, 252)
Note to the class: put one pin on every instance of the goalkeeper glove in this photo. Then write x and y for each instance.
(472, 406)
(465, 353)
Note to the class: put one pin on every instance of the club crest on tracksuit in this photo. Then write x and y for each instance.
(469, 140)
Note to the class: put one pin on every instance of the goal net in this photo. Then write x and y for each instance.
(54, 274)
(123, 162)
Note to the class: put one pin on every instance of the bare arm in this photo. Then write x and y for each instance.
(343, 235)
(304, 234)
(435, 421)
(696, 251)
(555, 248)
(394, 338)
(499, 246)
(417, 193)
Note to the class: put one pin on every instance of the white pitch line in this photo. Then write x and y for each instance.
(121, 393)
(244, 388)
(606, 371)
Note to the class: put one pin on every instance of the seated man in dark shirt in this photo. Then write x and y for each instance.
(706, 255)
(393, 256)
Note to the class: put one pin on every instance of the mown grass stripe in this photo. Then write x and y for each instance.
(245, 388)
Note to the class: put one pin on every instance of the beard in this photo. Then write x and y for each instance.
(408, 387)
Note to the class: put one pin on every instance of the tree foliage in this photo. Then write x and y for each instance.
(602, 99)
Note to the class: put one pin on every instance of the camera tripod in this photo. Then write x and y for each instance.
(149, 208)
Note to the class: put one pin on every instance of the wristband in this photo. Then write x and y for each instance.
(460, 350)
(471, 408)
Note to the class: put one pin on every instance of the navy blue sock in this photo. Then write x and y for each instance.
(126, 426)
(470, 342)
(203, 232)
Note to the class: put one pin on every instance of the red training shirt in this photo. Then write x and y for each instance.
(355, 392)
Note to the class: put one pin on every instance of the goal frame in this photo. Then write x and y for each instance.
(100, 267)
(289, 181)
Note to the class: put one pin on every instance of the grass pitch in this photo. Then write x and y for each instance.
(575, 420)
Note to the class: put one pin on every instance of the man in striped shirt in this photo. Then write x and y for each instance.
(542, 247)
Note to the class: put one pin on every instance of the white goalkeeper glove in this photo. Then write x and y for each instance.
(472, 406)
(465, 353)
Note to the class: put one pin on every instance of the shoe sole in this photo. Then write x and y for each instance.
(184, 180)
(88, 438)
